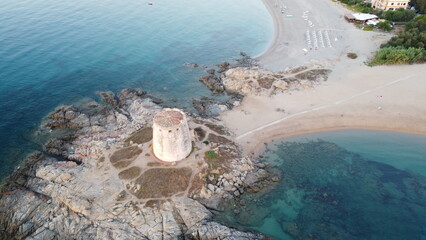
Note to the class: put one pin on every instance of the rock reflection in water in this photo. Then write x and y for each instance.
(327, 192)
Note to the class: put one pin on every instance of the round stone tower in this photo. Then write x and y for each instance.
(171, 138)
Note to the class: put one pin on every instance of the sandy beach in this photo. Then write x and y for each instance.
(311, 31)
(354, 96)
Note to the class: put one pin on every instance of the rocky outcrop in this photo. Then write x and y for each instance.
(223, 67)
(209, 107)
(108, 98)
(65, 117)
(71, 194)
(256, 81)
(213, 82)
(57, 201)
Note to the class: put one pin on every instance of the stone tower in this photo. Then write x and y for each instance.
(171, 138)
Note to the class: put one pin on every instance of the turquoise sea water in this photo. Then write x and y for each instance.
(58, 52)
(348, 184)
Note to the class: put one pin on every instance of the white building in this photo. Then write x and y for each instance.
(389, 4)
(360, 17)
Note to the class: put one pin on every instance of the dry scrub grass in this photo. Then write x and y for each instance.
(218, 139)
(163, 182)
(130, 173)
(218, 129)
(125, 153)
(141, 136)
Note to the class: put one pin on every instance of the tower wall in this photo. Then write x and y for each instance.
(171, 137)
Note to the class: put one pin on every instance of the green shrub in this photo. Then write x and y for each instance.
(385, 26)
(358, 5)
(210, 155)
(352, 55)
(420, 5)
(398, 55)
(368, 28)
(399, 15)
(414, 35)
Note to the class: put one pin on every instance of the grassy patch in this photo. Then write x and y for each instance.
(156, 164)
(130, 173)
(125, 153)
(122, 164)
(210, 155)
(368, 28)
(162, 182)
(213, 159)
(141, 136)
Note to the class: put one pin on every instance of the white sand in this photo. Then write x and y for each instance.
(355, 96)
(321, 18)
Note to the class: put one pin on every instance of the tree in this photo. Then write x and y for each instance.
(407, 47)
(399, 15)
(419, 23)
(385, 26)
(420, 5)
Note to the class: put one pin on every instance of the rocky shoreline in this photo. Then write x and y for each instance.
(101, 181)
(98, 179)
(240, 80)
(245, 78)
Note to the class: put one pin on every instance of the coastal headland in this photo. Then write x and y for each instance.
(97, 177)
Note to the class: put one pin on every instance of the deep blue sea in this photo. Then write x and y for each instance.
(348, 184)
(58, 52)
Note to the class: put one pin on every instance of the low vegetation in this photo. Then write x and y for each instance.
(407, 47)
(352, 55)
(210, 155)
(420, 5)
(414, 35)
(161, 182)
(368, 28)
(358, 5)
(213, 159)
(398, 15)
(125, 154)
(385, 26)
(130, 173)
(398, 55)
(141, 136)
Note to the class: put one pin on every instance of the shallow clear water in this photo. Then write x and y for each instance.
(349, 184)
(55, 52)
